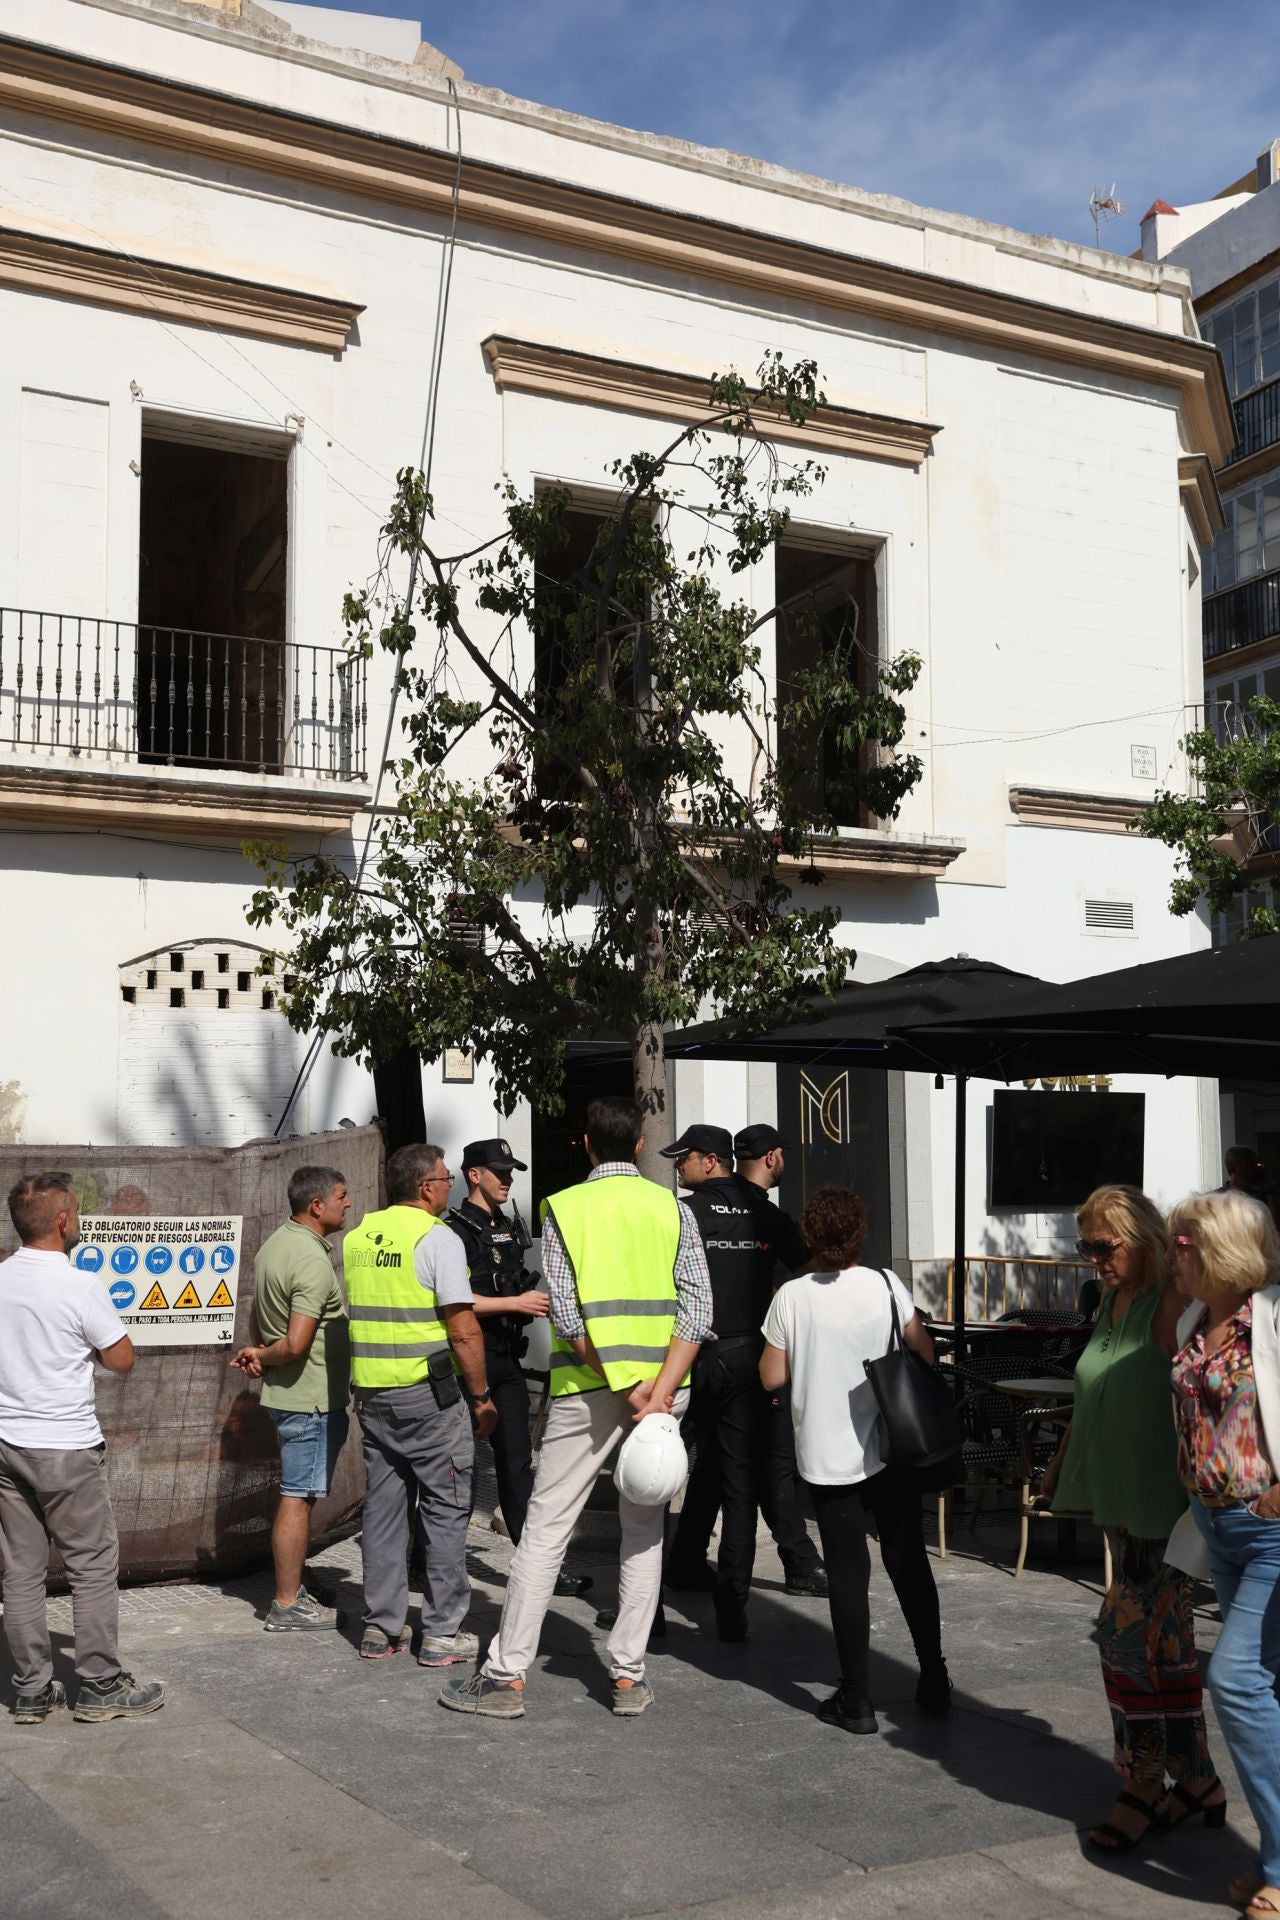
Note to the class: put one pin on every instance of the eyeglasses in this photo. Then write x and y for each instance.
(1097, 1249)
(437, 1180)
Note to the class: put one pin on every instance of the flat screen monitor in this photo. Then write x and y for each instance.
(1050, 1150)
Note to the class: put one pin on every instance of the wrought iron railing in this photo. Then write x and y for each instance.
(171, 696)
(1241, 616)
(1257, 421)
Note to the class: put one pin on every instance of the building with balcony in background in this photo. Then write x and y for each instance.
(224, 233)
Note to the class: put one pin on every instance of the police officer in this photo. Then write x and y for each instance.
(505, 1302)
(742, 1452)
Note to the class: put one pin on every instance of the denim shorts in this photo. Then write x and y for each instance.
(309, 1447)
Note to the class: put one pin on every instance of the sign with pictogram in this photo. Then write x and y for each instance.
(205, 1252)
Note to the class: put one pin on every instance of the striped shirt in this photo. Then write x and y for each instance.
(693, 1282)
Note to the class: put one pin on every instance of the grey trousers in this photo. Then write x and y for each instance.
(417, 1458)
(59, 1494)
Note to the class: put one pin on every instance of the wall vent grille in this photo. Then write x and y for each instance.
(1108, 916)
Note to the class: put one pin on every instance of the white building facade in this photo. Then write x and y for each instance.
(223, 246)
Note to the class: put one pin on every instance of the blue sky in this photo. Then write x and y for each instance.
(1008, 109)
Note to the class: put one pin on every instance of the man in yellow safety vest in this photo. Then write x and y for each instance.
(413, 1332)
(630, 1306)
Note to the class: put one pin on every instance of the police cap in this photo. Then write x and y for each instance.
(715, 1140)
(492, 1153)
(754, 1142)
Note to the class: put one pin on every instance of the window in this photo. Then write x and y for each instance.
(1247, 334)
(1249, 542)
(1227, 701)
(828, 606)
(213, 539)
(558, 647)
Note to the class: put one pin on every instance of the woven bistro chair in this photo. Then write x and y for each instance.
(992, 1450)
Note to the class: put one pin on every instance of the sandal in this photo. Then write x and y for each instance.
(1242, 1889)
(1213, 1812)
(1109, 1838)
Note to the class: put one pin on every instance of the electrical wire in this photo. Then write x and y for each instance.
(425, 461)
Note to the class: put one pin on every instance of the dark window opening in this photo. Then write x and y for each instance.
(224, 963)
(224, 996)
(152, 976)
(177, 997)
(268, 999)
(129, 994)
(197, 981)
(242, 982)
(213, 541)
(559, 646)
(175, 963)
(828, 609)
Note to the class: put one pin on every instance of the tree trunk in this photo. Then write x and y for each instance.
(649, 1066)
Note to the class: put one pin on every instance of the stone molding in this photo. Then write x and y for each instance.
(55, 86)
(1200, 496)
(563, 373)
(38, 263)
(1082, 812)
(170, 800)
(888, 856)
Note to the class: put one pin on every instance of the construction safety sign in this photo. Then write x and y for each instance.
(173, 1281)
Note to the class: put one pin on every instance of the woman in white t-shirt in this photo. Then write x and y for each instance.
(820, 1329)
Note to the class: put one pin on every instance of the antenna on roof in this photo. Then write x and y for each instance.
(1104, 206)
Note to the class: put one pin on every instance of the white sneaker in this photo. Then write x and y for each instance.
(437, 1650)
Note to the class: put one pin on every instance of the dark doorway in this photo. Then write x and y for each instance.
(556, 1152)
(835, 1121)
(212, 550)
(397, 1089)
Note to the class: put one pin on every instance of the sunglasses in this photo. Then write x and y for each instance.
(1097, 1249)
(1184, 1240)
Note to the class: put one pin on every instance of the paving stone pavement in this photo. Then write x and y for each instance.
(288, 1778)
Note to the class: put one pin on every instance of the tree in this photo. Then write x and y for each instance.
(593, 798)
(1223, 831)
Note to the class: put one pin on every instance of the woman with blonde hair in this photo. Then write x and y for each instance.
(1119, 1463)
(1226, 1383)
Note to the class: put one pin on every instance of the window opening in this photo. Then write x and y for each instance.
(213, 541)
(828, 603)
(224, 996)
(177, 997)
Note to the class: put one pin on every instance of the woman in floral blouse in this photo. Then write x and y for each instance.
(1226, 1385)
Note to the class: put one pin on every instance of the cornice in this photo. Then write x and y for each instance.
(1200, 497)
(65, 268)
(1252, 467)
(562, 373)
(170, 801)
(886, 855)
(56, 86)
(1082, 812)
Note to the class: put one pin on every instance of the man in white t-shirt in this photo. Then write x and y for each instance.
(54, 1323)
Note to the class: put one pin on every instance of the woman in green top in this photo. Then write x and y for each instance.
(1119, 1462)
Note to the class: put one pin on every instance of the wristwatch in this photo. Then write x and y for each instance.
(477, 1398)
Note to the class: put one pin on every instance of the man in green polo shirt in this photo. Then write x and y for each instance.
(304, 1361)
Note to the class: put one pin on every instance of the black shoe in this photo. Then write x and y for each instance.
(122, 1698)
(813, 1585)
(571, 1586)
(608, 1617)
(701, 1579)
(731, 1622)
(854, 1716)
(30, 1708)
(933, 1693)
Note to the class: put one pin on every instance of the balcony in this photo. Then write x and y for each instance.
(1241, 616)
(1257, 417)
(260, 731)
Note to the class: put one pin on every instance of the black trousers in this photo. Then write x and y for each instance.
(777, 1479)
(893, 1499)
(724, 1423)
(510, 1441)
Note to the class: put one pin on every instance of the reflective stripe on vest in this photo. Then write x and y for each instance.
(395, 1320)
(622, 1235)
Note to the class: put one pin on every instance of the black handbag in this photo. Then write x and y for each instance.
(919, 1423)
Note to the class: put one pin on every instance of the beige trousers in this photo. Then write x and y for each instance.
(582, 1431)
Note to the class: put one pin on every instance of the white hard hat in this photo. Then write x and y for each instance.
(652, 1464)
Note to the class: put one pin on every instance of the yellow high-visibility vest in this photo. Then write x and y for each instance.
(395, 1320)
(622, 1235)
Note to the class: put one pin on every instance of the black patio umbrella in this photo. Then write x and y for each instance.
(1210, 1013)
(867, 1025)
